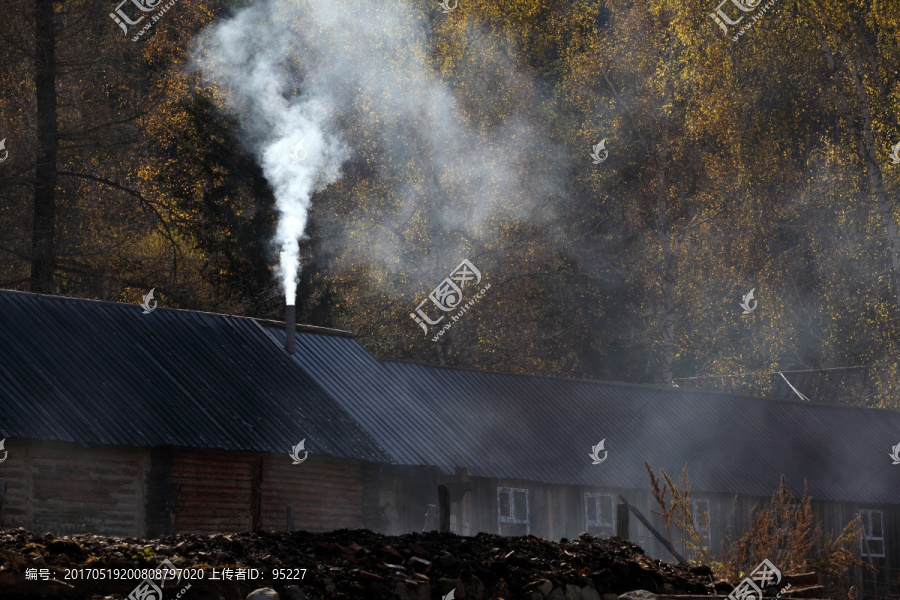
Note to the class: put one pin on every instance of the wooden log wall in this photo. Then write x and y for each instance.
(241, 491)
(326, 493)
(134, 492)
(64, 488)
(215, 490)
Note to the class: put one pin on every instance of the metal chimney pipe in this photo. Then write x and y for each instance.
(290, 328)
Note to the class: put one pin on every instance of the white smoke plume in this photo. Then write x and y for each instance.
(297, 71)
(249, 57)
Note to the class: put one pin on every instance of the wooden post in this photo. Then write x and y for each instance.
(2, 501)
(443, 508)
(172, 502)
(622, 521)
(652, 529)
(256, 494)
(289, 518)
(463, 521)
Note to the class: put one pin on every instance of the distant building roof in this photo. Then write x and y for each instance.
(104, 373)
(848, 386)
(542, 428)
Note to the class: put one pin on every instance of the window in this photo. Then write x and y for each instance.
(599, 514)
(872, 540)
(512, 511)
(700, 510)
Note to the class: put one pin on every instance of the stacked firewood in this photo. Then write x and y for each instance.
(345, 564)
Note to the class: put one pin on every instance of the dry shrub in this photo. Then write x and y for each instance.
(785, 533)
(681, 512)
(660, 496)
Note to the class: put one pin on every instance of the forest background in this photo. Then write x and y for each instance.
(761, 163)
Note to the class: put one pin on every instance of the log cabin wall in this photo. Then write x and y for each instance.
(485, 507)
(64, 488)
(404, 494)
(375, 479)
(215, 492)
(556, 511)
(223, 491)
(326, 493)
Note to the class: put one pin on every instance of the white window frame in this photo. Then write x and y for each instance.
(598, 496)
(511, 519)
(699, 523)
(867, 533)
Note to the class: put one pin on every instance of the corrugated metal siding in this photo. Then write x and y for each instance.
(102, 373)
(326, 493)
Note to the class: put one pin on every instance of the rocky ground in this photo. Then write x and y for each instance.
(343, 564)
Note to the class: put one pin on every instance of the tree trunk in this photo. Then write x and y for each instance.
(43, 250)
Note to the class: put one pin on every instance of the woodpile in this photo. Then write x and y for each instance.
(351, 564)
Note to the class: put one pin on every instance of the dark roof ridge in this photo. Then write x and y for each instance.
(648, 386)
(772, 372)
(281, 324)
(305, 328)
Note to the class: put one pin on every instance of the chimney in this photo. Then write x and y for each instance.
(290, 328)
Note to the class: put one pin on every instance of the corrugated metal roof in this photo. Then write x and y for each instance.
(842, 385)
(731, 444)
(543, 429)
(100, 373)
(104, 373)
(830, 386)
